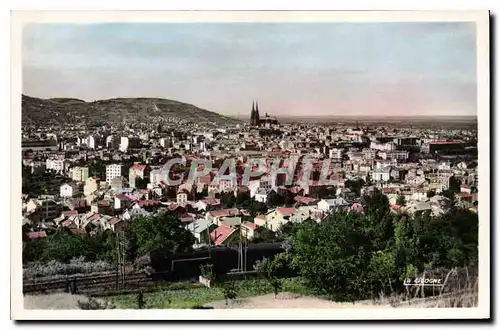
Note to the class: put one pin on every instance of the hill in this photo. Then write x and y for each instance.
(64, 111)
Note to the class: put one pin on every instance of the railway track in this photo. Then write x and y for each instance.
(91, 284)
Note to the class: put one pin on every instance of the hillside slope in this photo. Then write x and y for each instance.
(64, 111)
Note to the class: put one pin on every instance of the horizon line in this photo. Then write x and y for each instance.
(238, 115)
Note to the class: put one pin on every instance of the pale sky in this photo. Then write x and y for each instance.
(291, 68)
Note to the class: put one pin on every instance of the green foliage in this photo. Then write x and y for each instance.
(207, 271)
(230, 291)
(202, 194)
(275, 200)
(142, 236)
(351, 256)
(98, 169)
(227, 200)
(271, 270)
(140, 183)
(401, 201)
(355, 186)
(141, 303)
(94, 303)
(243, 198)
(161, 231)
(46, 183)
(191, 295)
(265, 236)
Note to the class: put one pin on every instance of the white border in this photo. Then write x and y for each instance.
(480, 17)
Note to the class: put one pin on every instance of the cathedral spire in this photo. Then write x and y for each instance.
(257, 116)
(252, 114)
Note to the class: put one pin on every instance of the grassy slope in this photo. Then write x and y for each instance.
(191, 295)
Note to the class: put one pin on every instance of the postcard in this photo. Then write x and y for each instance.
(255, 165)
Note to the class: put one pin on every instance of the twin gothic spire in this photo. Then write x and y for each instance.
(254, 116)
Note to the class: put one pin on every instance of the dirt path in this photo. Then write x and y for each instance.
(53, 301)
(288, 300)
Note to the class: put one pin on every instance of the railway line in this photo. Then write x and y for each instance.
(92, 284)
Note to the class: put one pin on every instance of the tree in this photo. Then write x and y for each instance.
(63, 246)
(275, 200)
(332, 256)
(202, 194)
(140, 183)
(265, 236)
(289, 198)
(401, 201)
(431, 193)
(141, 303)
(242, 197)
(230, 291)
(256, 207)
(161, 231)
(271, 269)
(355, 186)
(207, 271)
(227, 199)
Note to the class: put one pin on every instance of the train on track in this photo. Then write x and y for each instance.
(185, 266)
(166, 267)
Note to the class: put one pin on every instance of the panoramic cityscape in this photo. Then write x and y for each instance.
(249, 165)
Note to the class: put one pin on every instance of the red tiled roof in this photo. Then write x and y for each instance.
(173, 206)
(286, 211)
(138, 167)
(37, 234)
(187, 219)
(95, 216)
(148, 202)
(260, 216)
(357, 207)
(465, 195)
(221, 234)
(67, 223)
(211, 201)
(114, 220)
(303, 199)
(224, 213)
(68, 213)
(250, 225)
(122, 197)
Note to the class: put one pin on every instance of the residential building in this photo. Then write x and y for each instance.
(113, 171)
(80, 174)
(57, 165)
(332, 205)
(68, 190)
(137, 171)
(47, 209)
(91, 186)
(182, 198)
(382, 174)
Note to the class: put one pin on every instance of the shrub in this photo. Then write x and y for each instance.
(230, 291)
(93, 303)
(75, 266)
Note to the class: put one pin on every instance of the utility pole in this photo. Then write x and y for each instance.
(120, 259)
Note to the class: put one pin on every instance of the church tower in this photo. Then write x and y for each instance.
(252, 115)
(257, 119)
